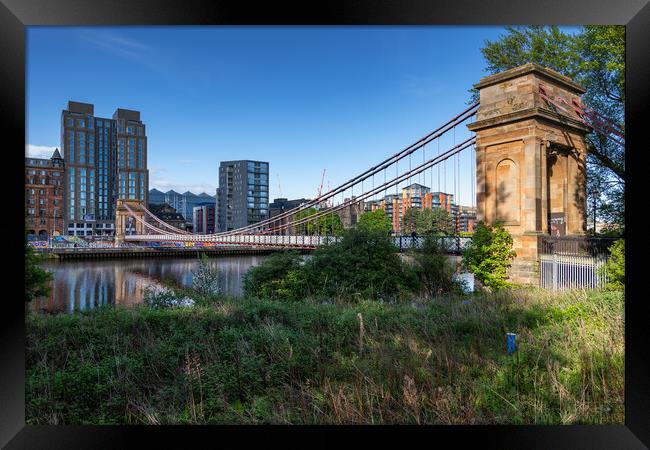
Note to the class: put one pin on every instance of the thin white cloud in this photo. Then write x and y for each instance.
(188, 161)
(39, 151)
(119, 45)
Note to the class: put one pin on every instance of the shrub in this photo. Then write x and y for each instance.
(205, 278)
(279, 276)
(36, 278)
(156, 298)
(433, 268)
(614, 269)
(363, 262)
(489, 255)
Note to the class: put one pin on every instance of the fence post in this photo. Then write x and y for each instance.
(554, 275)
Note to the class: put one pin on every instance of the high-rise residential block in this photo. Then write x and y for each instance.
(243, 194)
(105, 159)
(204, 218)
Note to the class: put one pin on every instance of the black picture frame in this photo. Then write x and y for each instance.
(16, 15)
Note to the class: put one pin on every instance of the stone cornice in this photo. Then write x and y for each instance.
(544, 72)
(529, 113)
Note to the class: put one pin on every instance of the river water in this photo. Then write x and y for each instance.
(86, 284)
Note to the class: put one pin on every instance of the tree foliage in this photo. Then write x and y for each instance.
(428, 221)
(36, 278)
(614, 269)
(595, 58)
(489, 255)
(327, 224)
(376, 220)
(365, 262)
(434, 268)
(279, 276)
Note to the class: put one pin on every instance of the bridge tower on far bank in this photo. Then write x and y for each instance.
(124, 222)
(530, 160)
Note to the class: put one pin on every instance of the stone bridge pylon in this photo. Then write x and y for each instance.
(124, 223)
(530, 161)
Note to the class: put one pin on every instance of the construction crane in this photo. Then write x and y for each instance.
(320, 188)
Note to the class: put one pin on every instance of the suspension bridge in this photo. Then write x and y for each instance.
(526, 153)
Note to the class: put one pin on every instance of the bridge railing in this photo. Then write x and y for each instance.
(454, 245)
(451, 244)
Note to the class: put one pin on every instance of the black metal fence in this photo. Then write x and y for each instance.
(575, 245)
(453, 245)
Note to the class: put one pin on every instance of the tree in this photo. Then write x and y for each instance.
(329, 224)
(376, 220)
(307, 227)
(205, 279)
(489, 255)
(435, 221)
(595, 58)
(614, 268)
(410, 220)
(36, 278)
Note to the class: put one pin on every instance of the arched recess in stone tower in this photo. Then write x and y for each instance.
(508, 193)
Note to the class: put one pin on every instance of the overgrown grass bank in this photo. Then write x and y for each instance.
(271, 361)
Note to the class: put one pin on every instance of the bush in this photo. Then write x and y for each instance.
(279, 276)
(36, 278)
(363, 262)
(433, 268)
(614, 269)
(489, 255)
(205, 279)
(156, 298)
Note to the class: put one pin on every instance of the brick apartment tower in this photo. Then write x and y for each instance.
(530, 161)
(44, 195)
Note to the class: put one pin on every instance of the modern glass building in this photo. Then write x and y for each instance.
(105, 159)
(183, 203)
(243, 194)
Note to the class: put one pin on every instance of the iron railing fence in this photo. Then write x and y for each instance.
(573, 262)
(575, 245)
(454, 245)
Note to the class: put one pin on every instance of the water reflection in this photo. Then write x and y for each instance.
(80, 285)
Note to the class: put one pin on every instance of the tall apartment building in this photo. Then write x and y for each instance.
(466, 219)
(413, 196)
(44, 186)
(243, 194)
(105, 159)
(204, 218)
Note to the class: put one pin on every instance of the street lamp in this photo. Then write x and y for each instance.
(594, 193)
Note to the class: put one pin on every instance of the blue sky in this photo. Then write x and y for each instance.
(303, 98)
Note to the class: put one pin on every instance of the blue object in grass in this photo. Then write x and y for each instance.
(511, 342)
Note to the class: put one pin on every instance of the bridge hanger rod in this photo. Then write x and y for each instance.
(466, 114)
(394, 182)
(132, 214)
(376, 169)
(161, 222)
(435, 134)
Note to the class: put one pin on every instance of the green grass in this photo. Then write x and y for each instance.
(260, 361)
